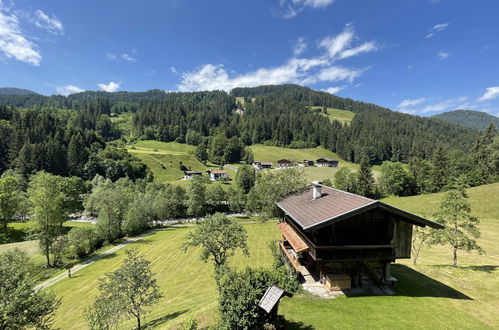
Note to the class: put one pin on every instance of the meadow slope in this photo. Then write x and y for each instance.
(430, 295)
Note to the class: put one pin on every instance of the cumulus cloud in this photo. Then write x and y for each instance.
(68, 89)
(49, 23)
(334, 90)
(443, 55)
(490, 93)
(303, 71)
(437, 28)
(291, 8)
(300, 46)
(411, 102)
(13, 43)
(111, 87)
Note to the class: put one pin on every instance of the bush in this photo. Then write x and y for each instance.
(81, 242)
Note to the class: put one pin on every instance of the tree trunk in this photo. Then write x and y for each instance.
(455, 258)
(47, 255)
(138, 322)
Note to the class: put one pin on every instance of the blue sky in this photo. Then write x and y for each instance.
(420, 56)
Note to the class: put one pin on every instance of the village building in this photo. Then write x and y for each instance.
(190, 174)
(308, 162)
(343, 240)
(285, 163)
(262, 165)
(329, 162)
(216, 175)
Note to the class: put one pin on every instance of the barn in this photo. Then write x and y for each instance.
(344, 240)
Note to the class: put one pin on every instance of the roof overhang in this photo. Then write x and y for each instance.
(409, 217)
(294, 239)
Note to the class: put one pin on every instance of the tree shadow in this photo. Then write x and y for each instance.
(12, 235)
(165, 318)
(479, 268)
(297, 325)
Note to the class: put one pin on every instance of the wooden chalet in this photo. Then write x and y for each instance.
(189, 174)
(216, 175)
(262, 165)
(329, 162)
(343, 239)
(308, 162)
(285, 163)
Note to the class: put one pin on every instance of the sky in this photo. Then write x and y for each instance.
(420, 57)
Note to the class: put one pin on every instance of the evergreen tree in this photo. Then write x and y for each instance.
(440, 172)
(365, 179)
(245, 178)
(77, 154)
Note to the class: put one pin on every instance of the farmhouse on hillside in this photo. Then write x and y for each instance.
(262, 165)
(216, 175)
(285, 162)
(308, 162)
(190, 174)
(344, 240)
(329, 162)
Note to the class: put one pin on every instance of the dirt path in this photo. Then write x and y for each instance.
(90, 261)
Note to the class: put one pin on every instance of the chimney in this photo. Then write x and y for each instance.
(316, 190)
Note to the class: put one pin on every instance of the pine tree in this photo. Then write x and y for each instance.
(365, 179)
(77, 154)
(440, 172)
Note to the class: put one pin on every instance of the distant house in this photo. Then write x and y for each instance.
(216, 175)
(329, 162)
(308, 162)
(190, 174)
(285, 163)
(340, 239)
(262, 165)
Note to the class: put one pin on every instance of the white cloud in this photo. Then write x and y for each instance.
(123, 56)
(335, 89)
(450, 104)
(300, 46)
(443, 55)
(51, 24)
(68, 89)
(437, 28)
(303, 71)
(111, 87)
(291, 8)
(128, 57)
(339, 46)
(14, 44)
(490, 93)
(411, 102)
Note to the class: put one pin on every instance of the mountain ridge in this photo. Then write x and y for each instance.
(477, 120)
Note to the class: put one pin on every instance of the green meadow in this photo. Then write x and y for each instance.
(343, 116)
(432, 294)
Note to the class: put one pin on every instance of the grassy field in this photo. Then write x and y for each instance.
(430, 295)
(186, 282)
(164, 158)
(343, 116)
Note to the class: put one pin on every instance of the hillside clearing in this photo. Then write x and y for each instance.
(343, 116)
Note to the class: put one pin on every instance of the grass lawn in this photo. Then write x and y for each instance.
(186, 282)
(343, 116)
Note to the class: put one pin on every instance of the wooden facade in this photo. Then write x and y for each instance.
(360, 239)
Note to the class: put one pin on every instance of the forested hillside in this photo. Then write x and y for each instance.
(473, 119)
(40, 132)
(15, 91)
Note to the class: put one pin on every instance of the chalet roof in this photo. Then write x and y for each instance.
(297, 243)
(193, 172)
(326, 159)
(219, 172)
(335, 205)
(285, 161)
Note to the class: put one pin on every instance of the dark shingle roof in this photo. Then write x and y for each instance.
(335, 205)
